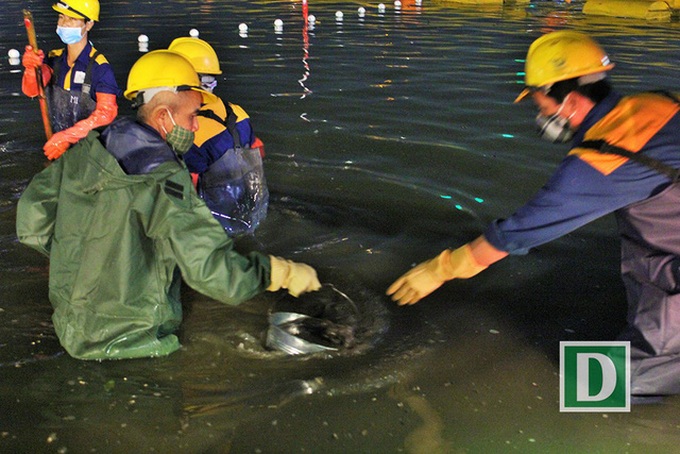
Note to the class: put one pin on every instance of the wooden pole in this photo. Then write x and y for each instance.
(30, 30)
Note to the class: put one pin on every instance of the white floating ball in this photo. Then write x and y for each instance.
(143, 39)
(397, 4)
(311, 18)
(193, 33)
(243, 28)
(381, 8)
(361, 11)
(339, 15)
(278, 23)
(13, 53)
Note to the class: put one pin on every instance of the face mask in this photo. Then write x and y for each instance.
(70, 35)
(554, 128)
(208, 83)
(180, 139)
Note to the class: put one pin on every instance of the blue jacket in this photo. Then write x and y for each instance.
(588, 184)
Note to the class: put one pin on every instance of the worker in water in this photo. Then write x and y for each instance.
(79, 83)
(226, 158)
(121, 223)
(624, 159)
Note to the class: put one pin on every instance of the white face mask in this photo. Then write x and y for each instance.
(554, 128)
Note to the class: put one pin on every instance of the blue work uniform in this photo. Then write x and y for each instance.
(604, 173)
(72, 91)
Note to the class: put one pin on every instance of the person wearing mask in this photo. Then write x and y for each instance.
(80, 86)
(624, 159)
(226, 158)
(122, 225)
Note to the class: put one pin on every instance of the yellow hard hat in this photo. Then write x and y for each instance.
(80, 9)
(163, 70)
(562, 55)
(199, 53)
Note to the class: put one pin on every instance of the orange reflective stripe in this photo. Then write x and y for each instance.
(630, 125)
(603, 163)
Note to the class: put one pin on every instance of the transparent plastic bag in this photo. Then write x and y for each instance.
(235, 189)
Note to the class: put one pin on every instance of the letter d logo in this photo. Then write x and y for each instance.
(594, 376)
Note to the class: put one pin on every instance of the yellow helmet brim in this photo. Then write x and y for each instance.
(526, 92)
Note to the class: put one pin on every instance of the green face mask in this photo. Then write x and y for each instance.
(179, 139)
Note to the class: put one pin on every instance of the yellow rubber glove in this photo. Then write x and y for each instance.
(427, 277)
(297, 278)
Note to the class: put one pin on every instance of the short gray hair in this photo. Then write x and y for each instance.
(167, 98)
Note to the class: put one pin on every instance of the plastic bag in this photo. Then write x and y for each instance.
(235, 190)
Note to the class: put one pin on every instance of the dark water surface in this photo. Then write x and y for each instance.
(388, 138)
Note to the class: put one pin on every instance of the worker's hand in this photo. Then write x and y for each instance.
(427, 277)
(31, 59)
(57, 145)
(298, 278)
(29, 81)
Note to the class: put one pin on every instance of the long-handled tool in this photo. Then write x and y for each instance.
(30, 30)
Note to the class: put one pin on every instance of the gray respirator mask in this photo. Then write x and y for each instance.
(554, 128)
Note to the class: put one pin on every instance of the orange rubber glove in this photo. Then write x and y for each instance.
(427, 277)
(298, 278)
(257, 143)
(31, 61)
(103, 114)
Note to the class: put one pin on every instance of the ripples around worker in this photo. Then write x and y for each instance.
(122, 224)
(624, 159)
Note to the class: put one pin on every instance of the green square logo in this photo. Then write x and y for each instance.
(594, 376)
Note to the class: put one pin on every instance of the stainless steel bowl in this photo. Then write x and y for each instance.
(280, 339)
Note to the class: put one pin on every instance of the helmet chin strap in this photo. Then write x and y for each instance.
(559, 111)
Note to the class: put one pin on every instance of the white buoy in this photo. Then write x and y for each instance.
(193, 33)
(381, 8)
(243, 28)
(361, 11)
(419, 2)
(397, 4)
(278, 23)
(311, 18)
(339, 15)
(143, 43)
(14, 57)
